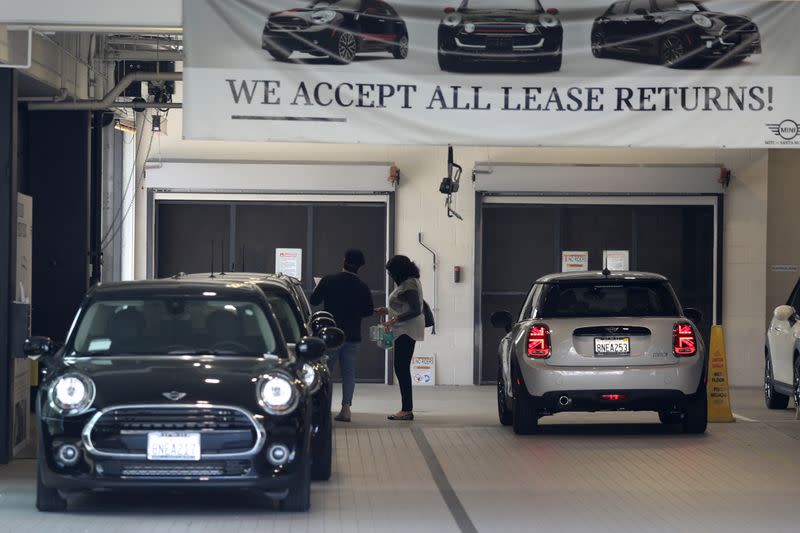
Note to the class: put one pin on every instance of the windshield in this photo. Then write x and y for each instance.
(353, 5)
(678, 5)
(494, 5)
(173, 326)
(607, 299)
(284, 311)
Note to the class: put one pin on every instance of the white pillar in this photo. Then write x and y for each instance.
(139, 210)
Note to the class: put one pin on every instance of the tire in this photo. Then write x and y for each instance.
(598, 45)
(298, 499)
(797, 380)
(695, 418)
(525, 413)
(323, 453)
(346, 48)
(504, 414)
(668, 418)
(280, 55)
(48, 500)
(446, 62)
(400, 50)
(553, 64)
(772, 398)
(672, 51)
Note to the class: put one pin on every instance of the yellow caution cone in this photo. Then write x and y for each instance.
(718, 391)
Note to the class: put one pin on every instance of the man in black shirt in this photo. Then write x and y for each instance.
(349, 300)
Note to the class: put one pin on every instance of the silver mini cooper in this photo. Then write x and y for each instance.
(601, 341)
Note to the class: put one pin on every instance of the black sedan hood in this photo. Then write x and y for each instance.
(185, 379)
(713, 15)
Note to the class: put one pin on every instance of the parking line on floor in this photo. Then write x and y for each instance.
(740, 417)
(443, 484)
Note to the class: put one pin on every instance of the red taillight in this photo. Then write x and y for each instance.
(684, 341)
(613, 397)
(539, 342)
(449, 10)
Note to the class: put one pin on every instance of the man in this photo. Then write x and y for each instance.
(349, 300)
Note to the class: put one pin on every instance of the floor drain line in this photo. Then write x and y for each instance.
(443, 484)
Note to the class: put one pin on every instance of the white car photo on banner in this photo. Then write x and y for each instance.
(660, 73)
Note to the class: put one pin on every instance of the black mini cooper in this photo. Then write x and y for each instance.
(676, 33)
(174, 384)
(519, 34)
(338, 29)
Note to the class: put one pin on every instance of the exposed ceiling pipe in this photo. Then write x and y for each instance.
(60, 97)
(109, 101)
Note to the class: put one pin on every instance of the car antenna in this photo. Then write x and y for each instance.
(606, 271)
(212, 261)
(222, 258)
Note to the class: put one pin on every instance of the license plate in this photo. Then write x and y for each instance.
(612, 346)
(499, 43)
(173, 446)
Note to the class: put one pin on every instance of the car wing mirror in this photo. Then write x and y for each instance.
(502, 319)
(783, 313)
(317, 324)
(694, 315)
(310, 349)
(36, 347)
(318, 314)
(332, 337)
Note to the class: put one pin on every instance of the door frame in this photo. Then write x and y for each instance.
(154, 197)
(527, 198)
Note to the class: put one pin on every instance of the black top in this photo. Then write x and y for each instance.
(348, 299)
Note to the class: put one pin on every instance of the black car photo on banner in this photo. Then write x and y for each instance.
(675, 33)
(552, 72)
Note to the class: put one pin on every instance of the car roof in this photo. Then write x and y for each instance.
(259, 277)
(177, 287)
(596, 275)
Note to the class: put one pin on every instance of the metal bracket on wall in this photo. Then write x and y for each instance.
(435, 285)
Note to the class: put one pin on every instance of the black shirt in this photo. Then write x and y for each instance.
(348, 299)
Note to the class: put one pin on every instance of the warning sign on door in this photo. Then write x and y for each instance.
(423, 370)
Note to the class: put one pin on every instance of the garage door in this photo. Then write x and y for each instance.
(246, 234)
(522, 242)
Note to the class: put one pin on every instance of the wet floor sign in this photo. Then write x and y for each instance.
(718, 390)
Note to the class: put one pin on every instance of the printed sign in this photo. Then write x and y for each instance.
(662, 73)
(784, 268)
(617, 260)
(289, 261)
(423, 370)
(574, 261)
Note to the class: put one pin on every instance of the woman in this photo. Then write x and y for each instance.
(407, 322)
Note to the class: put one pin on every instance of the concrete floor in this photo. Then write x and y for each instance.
(456, 469)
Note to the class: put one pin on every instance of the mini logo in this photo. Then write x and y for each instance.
(174, 395)
(787, 130)
(613, 330)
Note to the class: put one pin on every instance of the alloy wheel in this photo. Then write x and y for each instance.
(347, 47)
(598, 44)
(403, 47)
(768, 380)
(672, 50)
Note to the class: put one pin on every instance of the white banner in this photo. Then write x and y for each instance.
(660, 73)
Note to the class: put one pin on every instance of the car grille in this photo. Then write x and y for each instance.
(287, 24)
(500, 42)
(186, 470)
(739, 32)
(503, 28)
(223, 430)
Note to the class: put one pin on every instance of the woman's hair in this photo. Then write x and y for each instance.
(401, 268)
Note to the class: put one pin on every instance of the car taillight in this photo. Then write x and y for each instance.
(539, 342)
(684, 340)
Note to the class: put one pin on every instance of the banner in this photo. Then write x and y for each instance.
(654, 73)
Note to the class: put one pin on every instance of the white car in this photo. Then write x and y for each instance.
(782, 355)
(601, 341)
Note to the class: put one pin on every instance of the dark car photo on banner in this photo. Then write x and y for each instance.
(516, 34)
(336, 29)
(675, 33)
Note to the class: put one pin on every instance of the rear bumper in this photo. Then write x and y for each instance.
(629, 400)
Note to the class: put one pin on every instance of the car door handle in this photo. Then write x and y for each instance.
(381, 20)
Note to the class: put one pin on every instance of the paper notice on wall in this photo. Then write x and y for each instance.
(289, 261)
(617, 260)
(574, 261)
(423, 370)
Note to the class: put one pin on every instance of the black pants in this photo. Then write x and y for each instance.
(403, 351)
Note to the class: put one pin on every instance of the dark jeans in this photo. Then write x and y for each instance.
(403, 352)
(346, 356)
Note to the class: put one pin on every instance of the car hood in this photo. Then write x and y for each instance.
(188, 379)
(500, 15)
(713, 15)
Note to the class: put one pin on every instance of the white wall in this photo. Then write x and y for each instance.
(420, 209)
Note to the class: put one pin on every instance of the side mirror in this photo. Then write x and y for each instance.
(641, 12)
(36, 347)
(332, 337)
(693, 314)
(502, 319)
(319, 314)
(552, 11)
(310, 349)
(784, 312)
(317, 324)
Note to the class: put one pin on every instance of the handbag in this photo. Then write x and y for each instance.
(426, 310)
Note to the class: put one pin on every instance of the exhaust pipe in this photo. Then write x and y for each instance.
(565, 401)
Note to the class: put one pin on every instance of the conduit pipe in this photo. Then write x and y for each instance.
(109, 100)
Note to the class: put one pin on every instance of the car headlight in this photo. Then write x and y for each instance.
(323, 16)
(310, 378)
(277, 395)
(452, 20)
(548, 21)
(530, 27)
(469, 27)
(72, 394)
(702, 21)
